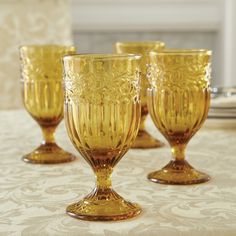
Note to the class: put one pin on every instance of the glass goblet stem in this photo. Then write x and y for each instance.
(48, 135)
(178, 152)
(144, 113)
(103, 178)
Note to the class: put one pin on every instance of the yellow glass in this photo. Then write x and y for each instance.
(41, 80)
(102, 114)
(178, 102)
(144, 139)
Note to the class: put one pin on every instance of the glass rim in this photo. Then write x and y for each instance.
(102, 56)
(46, 46)
(185, 51)
(140, 43)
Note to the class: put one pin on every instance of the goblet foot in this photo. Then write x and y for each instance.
(178, 172)
(48, 153)
(103, 205)
(145, 140)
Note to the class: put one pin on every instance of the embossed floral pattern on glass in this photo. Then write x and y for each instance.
(144, 139)
(178, 101)
(41, 70)
(102, 113)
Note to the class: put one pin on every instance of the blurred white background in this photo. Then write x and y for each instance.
(95, 25)
(211, 24)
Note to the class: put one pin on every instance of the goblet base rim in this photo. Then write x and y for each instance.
(48, 154)
(97, 208)
(176, 174)
(145, 141)
(104, 217)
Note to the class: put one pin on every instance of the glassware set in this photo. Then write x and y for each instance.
(102, 122)
(41, 82)
(106, 100)
(178, 101)
(143, 139)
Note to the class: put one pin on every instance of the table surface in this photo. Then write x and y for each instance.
(33, 198)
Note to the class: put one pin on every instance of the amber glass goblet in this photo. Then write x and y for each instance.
(41, 80)
(102, 114)
(178, 101)
(143, 139)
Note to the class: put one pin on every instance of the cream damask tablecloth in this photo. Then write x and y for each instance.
(33, 198)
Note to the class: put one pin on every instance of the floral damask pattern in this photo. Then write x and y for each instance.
(34, 197)
(95, 83)
(43, 63)
(187, 69)
(27, 22)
